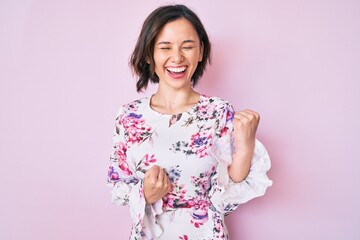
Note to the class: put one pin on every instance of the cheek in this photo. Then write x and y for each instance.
(195, 60)
(159, 65)
(159, 60)
(195, 57)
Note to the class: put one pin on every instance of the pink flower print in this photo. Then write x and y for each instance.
(191, 202)
(200, 212)
(200, 216)
(121, 156)
(125, 168)
(145, 162)
(202, 183)
(223, 131)
(218, 228)
(121, 152)
(184, 237)
(136, 129)
(199, 203)
(149, 159)
(206, 111)
(133, 106)
(176, 198)
(200, 142)
(230, 115)
(141, 193)
(196, 224)
(112, 175)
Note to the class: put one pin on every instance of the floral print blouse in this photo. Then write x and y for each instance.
(195, 149)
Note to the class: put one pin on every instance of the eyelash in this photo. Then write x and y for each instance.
(186, 48)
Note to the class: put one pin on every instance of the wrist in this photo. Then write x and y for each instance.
(243, 154)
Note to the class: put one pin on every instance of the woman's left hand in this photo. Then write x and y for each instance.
(245, 126)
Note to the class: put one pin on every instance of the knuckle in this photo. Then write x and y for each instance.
(238, 125)
(245, 121)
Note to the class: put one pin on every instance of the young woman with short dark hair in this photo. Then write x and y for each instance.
(182, 160)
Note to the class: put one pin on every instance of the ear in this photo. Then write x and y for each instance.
(201, 52)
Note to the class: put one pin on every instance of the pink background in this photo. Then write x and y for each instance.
(64, 73)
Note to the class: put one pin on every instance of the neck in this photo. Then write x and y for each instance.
(174, 101)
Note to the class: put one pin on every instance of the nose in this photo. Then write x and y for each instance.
(177, 56)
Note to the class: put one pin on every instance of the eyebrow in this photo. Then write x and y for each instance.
(185, 41)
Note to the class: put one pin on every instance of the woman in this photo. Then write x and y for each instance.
(182, 160)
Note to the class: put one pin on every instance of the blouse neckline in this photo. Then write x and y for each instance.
(189, 110)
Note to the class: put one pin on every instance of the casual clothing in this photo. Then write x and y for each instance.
(195, 149)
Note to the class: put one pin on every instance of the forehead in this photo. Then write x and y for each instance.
(178, 30)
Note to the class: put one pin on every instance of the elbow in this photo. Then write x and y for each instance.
(238, 175)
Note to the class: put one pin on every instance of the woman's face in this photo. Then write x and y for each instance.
(177, 52)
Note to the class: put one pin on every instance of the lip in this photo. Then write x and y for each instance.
(178, 75)
(182, 66)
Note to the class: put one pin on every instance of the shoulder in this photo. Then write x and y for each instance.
(137, 106)
(219, 103)
(220, 111)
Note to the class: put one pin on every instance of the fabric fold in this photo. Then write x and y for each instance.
(227, 195)
(127, 187)
(151, 228)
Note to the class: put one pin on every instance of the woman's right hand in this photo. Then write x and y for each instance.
(156, 184)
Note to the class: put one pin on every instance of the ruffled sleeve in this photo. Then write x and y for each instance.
(225, 194)
(127, 187)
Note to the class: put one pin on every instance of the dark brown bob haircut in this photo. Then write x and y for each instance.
(144, 49)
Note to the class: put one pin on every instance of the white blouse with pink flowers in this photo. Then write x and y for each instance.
(195, 149)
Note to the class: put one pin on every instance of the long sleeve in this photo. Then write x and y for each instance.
(226, 195)
(127, 184)
(127, 188)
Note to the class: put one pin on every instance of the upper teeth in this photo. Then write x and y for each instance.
(172, 69)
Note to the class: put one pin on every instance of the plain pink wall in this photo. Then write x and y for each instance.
(64, 73)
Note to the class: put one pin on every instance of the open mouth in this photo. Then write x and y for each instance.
(176, 70)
